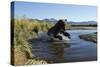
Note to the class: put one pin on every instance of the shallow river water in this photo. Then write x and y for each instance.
(75, 50)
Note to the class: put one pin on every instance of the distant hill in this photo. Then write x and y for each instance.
(52, 20)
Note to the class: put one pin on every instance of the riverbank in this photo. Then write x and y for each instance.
(89, 37)
(21, 57)
(83, 28)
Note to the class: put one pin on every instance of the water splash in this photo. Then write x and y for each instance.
(63, 37)
(43, 36)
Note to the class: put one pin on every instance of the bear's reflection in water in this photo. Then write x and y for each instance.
(58, 51)
(52, 52)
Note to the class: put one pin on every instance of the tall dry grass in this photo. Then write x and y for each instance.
(25, 29)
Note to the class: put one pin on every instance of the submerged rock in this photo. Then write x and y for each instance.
(89, 37)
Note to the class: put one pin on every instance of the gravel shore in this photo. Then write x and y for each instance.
(89, 37)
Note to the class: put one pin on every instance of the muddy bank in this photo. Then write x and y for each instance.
(89, 37)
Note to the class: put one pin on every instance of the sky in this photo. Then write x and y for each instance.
(57, 11)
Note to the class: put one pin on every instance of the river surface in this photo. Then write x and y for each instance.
(75, 50)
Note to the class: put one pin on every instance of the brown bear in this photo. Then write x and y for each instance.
(59, 27)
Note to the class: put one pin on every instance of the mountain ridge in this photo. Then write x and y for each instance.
(52, 20)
